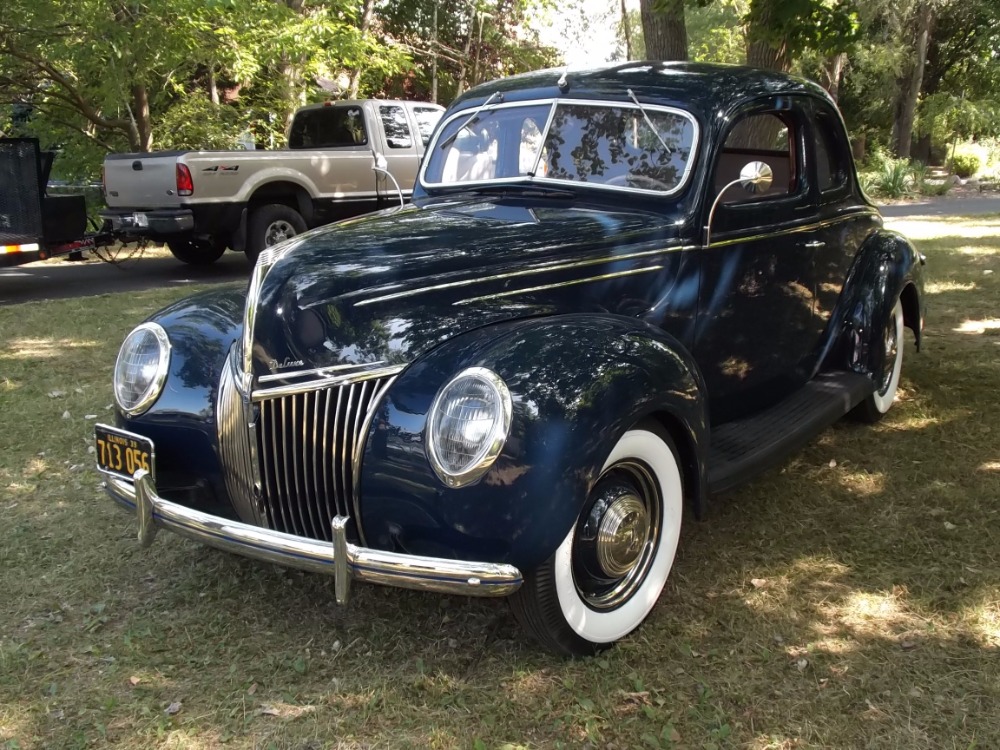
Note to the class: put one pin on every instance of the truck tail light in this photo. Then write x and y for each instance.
(185, 186)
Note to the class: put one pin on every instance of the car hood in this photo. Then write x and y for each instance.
(386, 287)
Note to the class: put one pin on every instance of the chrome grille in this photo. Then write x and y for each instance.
(236, 447)
(307, 443)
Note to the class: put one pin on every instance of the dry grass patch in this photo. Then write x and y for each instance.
(850, 598)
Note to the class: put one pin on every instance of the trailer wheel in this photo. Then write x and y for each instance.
(270, 225)
(196, 252)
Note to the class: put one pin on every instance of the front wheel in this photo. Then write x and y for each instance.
(196, 252)
(270, 225)
(875, 406)
(606, 575)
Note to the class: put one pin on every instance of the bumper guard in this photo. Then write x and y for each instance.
(343, 560)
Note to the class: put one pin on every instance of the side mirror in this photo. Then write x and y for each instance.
(381, 166)
(755, 177)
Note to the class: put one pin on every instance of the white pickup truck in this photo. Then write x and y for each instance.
(200, 202)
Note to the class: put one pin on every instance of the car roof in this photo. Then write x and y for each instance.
(702, 88)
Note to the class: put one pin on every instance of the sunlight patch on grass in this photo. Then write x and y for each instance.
(942, 287)
(934, 229)
(21, 349)
(863, 483)
(990, 466)
(984, 621)
(979, 326)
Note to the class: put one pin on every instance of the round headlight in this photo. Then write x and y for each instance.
(468, 425)
(141, 368)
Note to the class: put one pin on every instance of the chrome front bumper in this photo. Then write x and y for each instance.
(343, 560)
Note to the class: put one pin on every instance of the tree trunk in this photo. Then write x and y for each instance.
(462, 67)
(213, 85)
(143, 136)
(765, 49)
(664, 31)
(366, 21)
(834, 72)
(627, 32)
(910, 83)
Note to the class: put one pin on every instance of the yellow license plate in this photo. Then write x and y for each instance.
(122, 453)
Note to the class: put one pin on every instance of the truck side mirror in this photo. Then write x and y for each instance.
(755, 177)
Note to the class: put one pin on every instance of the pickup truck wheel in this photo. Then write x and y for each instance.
(196, 252)
(606, 575)
(270, 225)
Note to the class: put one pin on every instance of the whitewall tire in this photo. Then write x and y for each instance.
(876, 405)
(608, 572)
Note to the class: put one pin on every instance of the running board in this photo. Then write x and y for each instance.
(746, 447)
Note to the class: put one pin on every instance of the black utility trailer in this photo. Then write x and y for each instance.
(35, 225)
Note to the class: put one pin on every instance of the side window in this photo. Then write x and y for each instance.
(759, 137)
(831, 169)
(328, 127)
(427, 118)
(397, 129)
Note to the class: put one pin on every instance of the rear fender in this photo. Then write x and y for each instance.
(578, 382)
(887, 268)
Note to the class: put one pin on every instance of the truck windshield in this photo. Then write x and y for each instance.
(328, 127)
(606, 145)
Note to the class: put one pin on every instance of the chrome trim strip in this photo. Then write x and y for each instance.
(262, 394)
(794, 230)
(359, 452)
(556, 266)
(316, 371)
(571, 282)
(356, 563)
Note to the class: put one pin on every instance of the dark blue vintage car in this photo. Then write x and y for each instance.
(616, 292)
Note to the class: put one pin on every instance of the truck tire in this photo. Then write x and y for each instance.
(269, 225)
(196, 252)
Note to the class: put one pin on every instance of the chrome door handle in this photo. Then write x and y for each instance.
(815, 244)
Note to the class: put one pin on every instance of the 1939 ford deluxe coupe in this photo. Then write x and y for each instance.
(616, 292)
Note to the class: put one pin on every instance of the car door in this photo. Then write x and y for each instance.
(846, 218)
(756, 321)
(401, 153)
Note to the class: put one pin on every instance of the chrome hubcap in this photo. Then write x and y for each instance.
(891, 350)
(617, 538)
(278, 231)
(622, 534)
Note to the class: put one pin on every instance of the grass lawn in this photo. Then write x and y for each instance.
(849, 599)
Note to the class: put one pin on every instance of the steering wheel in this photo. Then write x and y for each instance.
(641, 181)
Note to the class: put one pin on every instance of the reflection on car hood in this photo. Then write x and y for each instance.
(388, 287)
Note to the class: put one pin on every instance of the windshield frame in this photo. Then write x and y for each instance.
(565, 184)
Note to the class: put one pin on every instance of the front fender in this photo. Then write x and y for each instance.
(181, 423)
(578, 382)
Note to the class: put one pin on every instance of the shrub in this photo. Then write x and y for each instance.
(965, 165)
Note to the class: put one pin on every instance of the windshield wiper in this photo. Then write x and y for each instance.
(520, 188)
(451, 138)
(649, 122)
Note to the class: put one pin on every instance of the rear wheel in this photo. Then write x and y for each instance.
(875, 406)
(270, 225)
(196, 252)
(606, 575)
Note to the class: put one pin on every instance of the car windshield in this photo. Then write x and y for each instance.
(613, 146)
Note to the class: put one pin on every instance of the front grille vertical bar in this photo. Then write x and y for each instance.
(331, 457)
(317, 494)
(345, 454)
(282, 468)
(328, 490)
(265, 461)
(308, 498)
(293, 470)
(359, 415)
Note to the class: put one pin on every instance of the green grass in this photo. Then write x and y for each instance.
(848, 599)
